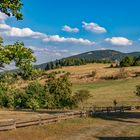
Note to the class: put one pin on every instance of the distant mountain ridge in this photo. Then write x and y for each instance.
(111, 55)
(105, 55)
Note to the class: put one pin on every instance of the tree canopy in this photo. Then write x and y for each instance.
(127, 61)
(11, 8)
(19, 54)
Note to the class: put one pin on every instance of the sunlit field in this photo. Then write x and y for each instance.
(104, 92)
(123, 127)
(80, 74)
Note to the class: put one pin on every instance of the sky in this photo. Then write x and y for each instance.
(59, 28)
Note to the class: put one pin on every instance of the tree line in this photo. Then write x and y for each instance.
(130, 61)
(72, 62)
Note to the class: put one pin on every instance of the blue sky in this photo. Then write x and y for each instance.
(60, 28)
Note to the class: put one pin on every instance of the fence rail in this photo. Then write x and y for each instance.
(95, 110)
(10, 124)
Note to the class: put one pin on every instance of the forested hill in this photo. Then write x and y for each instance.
(87, 57)
(105, 55)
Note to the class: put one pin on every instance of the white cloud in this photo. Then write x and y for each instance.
(64, 51)
(57, 38)
(9, 31)
(58, 54)
(25, 32)
(93, 27)
(38, 49)
(69, 29)
(4, 27)
(3, 17)
(120, 41)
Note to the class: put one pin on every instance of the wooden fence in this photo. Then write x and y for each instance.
(9, 124)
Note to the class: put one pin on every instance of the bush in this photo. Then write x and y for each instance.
(122, 74)
(137, 74)
(117, 66)
(93, 73)
(60, 90)
(35, 96)
(80, 97)
(111, 66)
(8, 77)
(3, 94)
(56, 93)
(127, 61)
(111, 77)
(20, 98)
(7, 100)
(137, 92)
(90, 75)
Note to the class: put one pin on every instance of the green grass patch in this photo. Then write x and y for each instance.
(104, 92)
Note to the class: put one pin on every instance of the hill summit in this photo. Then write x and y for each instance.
(105, 55)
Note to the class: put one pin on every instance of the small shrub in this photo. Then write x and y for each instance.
(117, 65)
(137, 74)
(93, 73)
(111, 66)
(137, 92)
(111, 77)
(80, 97)
(122, 74)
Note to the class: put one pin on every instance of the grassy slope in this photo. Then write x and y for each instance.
(102, 71)
(103, 93)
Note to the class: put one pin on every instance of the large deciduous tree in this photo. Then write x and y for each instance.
(18, 53)
(22, 56)
(11, 8)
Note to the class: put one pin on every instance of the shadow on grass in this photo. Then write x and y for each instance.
(119, 138)
(41, 111)
(120, 116)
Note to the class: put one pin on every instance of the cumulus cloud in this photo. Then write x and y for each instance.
(25, 32)
(4, 27)
(57, 38)
(93, 27)
(16, 32)
(120, 41)
(9, 31)
(69, 29)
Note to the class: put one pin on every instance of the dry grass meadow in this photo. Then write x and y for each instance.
(121, 127)
(80, 74)
(7, 114)
(105, 91)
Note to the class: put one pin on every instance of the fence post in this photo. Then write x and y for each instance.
(14, 121)
(39, 120)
